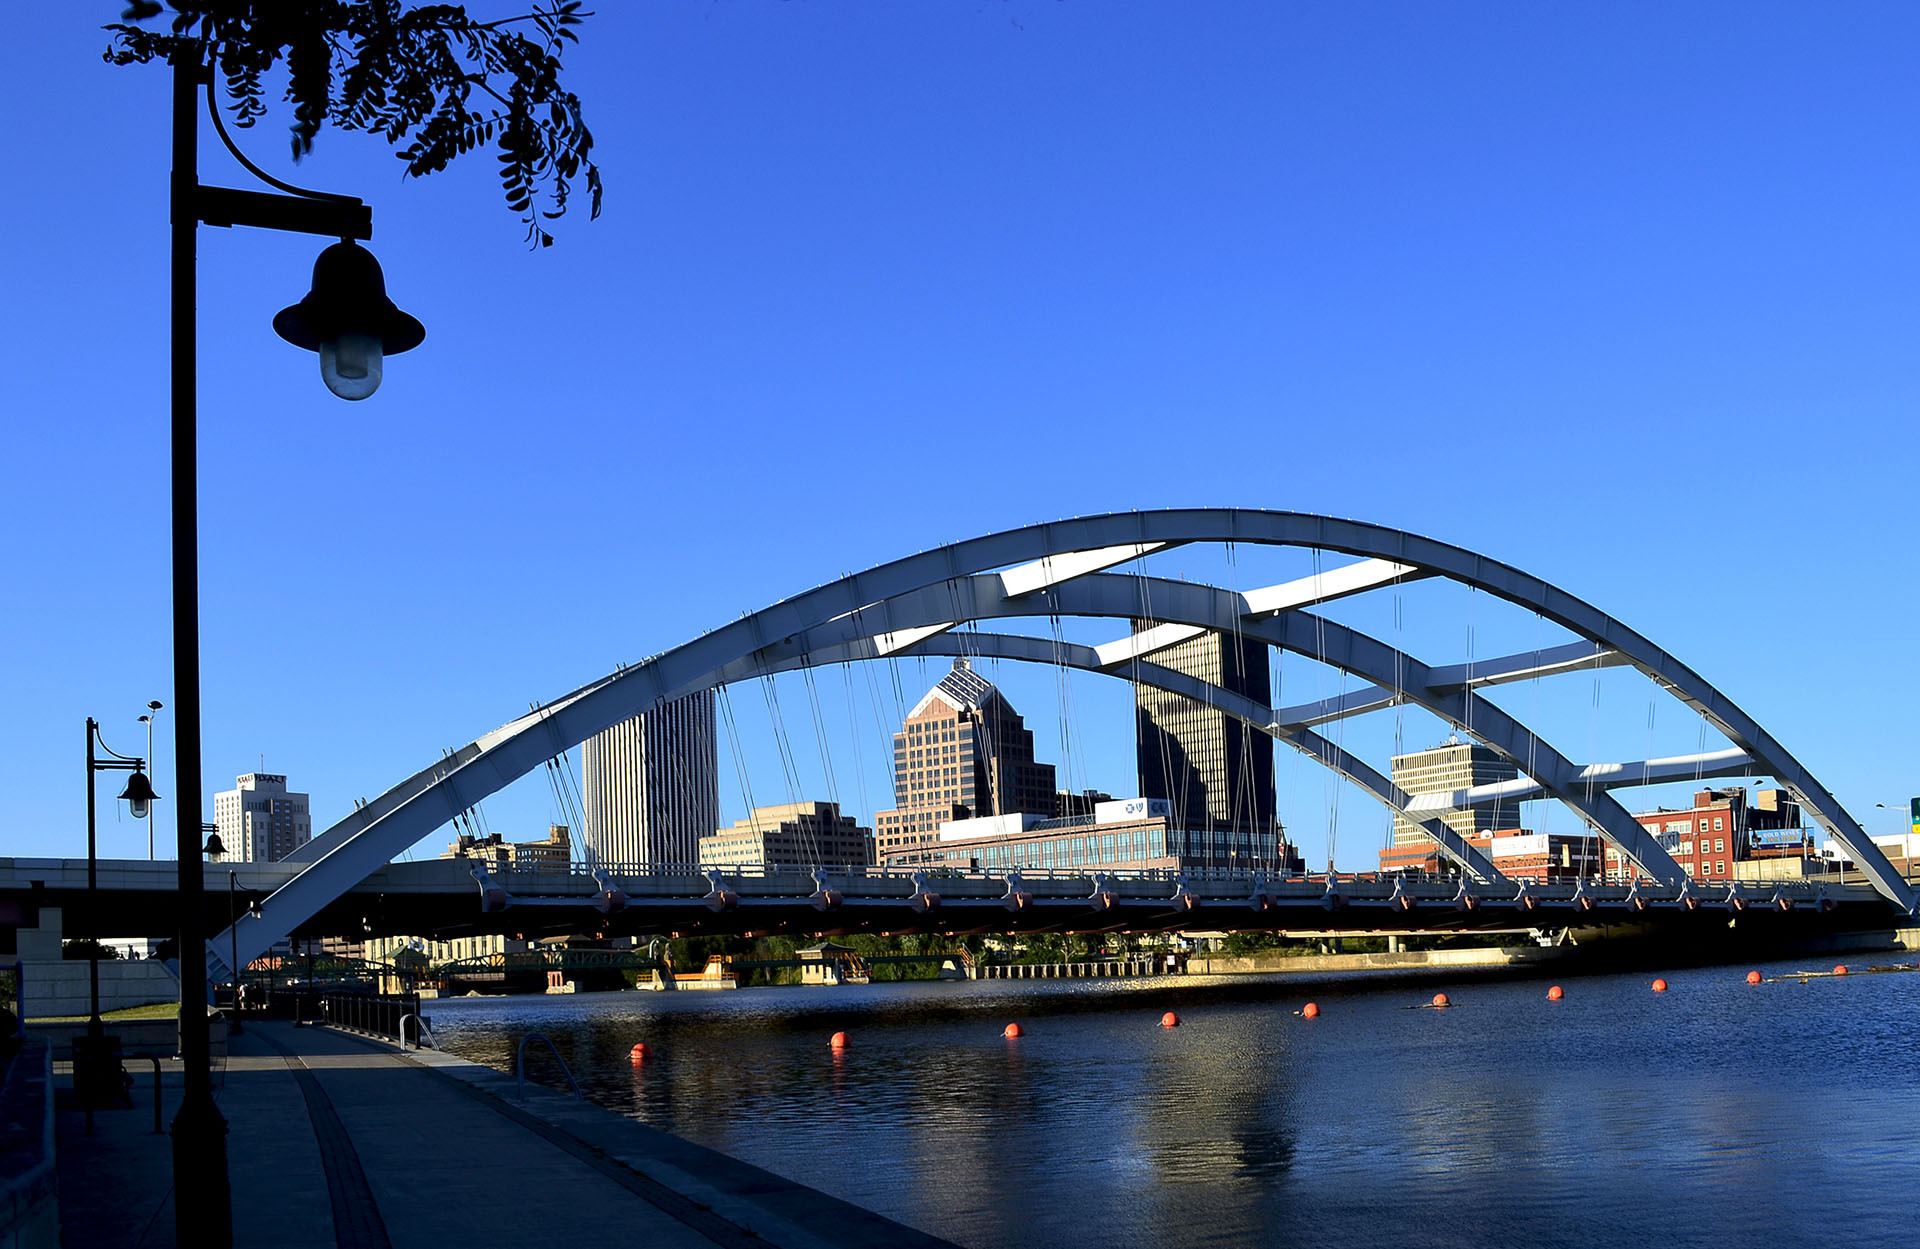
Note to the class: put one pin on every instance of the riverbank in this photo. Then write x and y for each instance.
(1585, 951)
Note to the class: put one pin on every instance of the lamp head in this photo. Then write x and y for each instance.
(215, 847)
(138, 795)
(349, 320)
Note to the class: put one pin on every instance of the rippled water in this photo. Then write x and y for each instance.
(1716, 1112)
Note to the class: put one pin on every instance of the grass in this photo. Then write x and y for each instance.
(157, 1010)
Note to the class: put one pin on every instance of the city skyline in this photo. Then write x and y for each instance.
(1723, 285)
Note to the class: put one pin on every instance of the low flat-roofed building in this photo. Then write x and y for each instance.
(1545, 856)
(808, 833)
(554, 854)
(1130, 834)
(1517, 853)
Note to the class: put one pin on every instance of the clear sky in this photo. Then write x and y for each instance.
(1623, 295)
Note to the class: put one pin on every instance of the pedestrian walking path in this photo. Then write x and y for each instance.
(336, 1140)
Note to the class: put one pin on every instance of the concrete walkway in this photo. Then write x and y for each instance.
(340, 1141)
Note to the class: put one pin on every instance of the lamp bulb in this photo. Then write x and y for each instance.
(350, 365)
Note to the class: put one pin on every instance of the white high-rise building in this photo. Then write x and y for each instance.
(651, 786)
(1453, 767)
(259, 821)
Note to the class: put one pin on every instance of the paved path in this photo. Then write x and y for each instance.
(340, 1141)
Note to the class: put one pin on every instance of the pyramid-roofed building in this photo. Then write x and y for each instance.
(962, 752)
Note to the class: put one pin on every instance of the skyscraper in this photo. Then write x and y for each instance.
(650, 787)
(962, 752)
(259, 821)
(1453, 766)
(1215, 770)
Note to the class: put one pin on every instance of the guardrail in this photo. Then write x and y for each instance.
(376, 1014)
(584, 875)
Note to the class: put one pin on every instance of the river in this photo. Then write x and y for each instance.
(1786, 1113)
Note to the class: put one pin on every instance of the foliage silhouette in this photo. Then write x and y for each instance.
(428, 78)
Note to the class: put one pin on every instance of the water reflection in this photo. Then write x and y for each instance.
(1714, 1112)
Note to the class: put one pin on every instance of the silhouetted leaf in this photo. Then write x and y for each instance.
(408, 73)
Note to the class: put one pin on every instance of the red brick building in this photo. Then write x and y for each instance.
(1720, 829)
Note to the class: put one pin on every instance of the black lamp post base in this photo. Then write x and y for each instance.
(98, 1078)
(202, 1200)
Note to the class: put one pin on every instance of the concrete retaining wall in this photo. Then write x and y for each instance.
(29, 1186)
(1482, 957)
(52, 985)
(60, 988)
(1867, 941)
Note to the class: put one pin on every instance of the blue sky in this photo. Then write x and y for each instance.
(1621, 295)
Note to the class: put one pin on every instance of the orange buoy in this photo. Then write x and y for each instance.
(1440, 999)
(1659, 986)
(1555, 994)
(839, 1041)
(639, 1052)
(1840, 969)
(1310, 1011)
(1753, 977)
(1169, 1020)
(1013, 1030)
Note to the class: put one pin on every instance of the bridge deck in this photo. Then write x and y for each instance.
(443, 897)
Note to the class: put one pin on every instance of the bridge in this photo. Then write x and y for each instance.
(442, 897)
(937, 602)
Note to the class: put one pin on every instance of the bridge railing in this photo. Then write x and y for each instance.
(692, 877)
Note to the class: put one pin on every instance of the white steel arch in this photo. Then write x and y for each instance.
(1186, 608)
(894, 603)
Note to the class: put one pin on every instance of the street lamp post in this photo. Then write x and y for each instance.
(233, 958)
(94, 1067)
(153, 709)
(351, 323)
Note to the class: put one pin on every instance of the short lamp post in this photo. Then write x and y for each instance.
(95, 1069)
(233, 931)
(349, 321)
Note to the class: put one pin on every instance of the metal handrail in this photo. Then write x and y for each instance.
(422, 1038)
(520, 1066)
(155, 1060)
